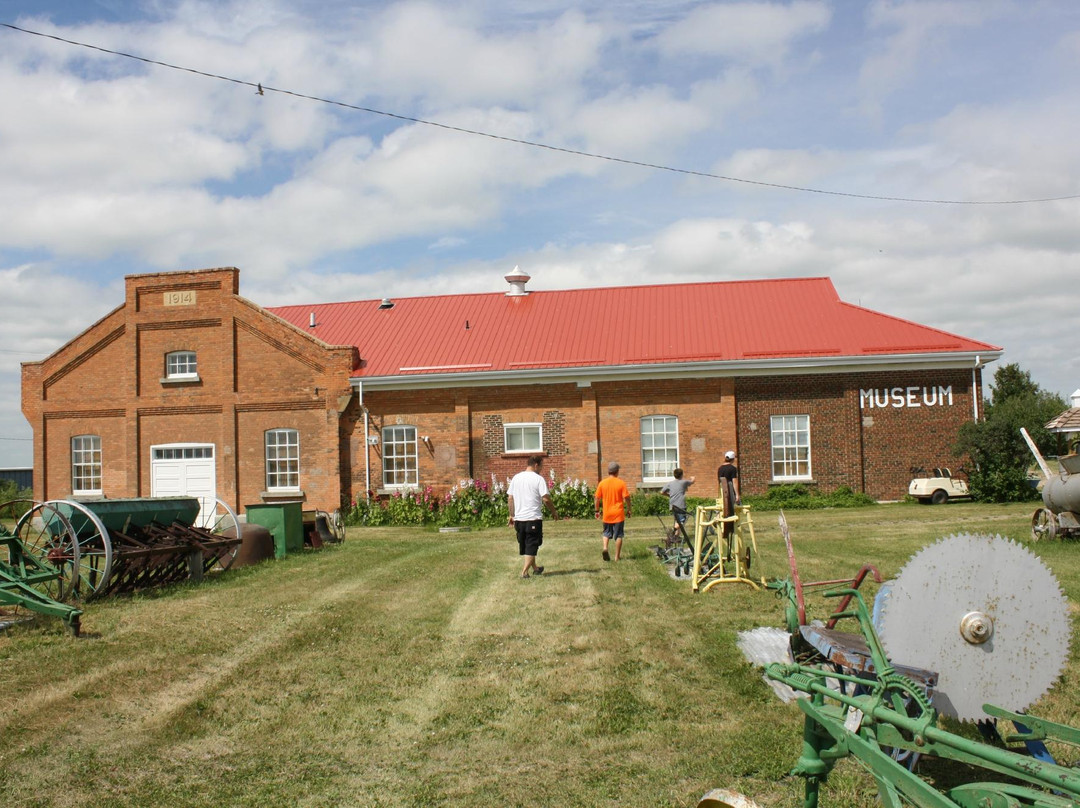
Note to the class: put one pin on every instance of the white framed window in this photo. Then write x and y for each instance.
(181, 365)
(791, 447)
(399, 456)
(523, 438)
(86, 464)
(659, 447)
(282, 460)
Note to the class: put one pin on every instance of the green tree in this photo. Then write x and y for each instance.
(995, 445)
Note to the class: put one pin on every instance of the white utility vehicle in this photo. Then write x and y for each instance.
(937, 486)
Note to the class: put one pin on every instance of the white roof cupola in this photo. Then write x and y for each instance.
(517, 278)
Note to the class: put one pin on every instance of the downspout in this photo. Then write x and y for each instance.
(367, 446)
(976, 391)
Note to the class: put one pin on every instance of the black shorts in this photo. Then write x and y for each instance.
(614, 530)
(530, 536)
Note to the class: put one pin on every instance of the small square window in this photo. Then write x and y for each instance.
(523, 438)
(181, 365)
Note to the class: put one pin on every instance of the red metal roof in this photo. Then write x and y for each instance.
(617, 326)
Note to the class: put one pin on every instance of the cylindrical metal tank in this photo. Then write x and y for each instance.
(1061, 494)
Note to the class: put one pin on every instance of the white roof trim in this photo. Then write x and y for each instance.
(743, 367)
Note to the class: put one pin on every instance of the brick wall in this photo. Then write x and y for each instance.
(583, 428)
(867, 447)
(254, 373)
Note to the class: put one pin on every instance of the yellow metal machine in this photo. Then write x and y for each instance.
(724, 547)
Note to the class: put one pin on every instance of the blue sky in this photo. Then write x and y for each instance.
(112, 166)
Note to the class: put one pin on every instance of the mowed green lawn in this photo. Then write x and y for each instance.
(410, 668)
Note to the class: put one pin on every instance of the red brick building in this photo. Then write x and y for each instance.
(189, 386)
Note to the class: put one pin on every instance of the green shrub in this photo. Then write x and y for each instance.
(643, 504)
(474, 503)
(573, 499)
(9, 492)
(1001, 484)
(796, 496)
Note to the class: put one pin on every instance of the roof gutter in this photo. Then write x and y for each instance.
(740, 367)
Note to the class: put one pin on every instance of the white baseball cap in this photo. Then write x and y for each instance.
(729, 456)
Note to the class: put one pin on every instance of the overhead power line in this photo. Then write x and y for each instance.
(262, 89)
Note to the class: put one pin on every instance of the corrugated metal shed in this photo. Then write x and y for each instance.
(616, 326)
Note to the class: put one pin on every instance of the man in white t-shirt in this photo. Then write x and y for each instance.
(526, 498)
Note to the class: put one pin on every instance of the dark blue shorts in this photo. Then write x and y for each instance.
(614, 530)
(530, 536)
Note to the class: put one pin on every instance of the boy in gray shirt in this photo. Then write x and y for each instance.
(676, 492)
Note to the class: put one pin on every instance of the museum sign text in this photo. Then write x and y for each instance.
(913, 396)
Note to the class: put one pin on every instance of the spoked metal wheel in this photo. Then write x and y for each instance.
(1043, 525)
(47, 536)
(216, 516)
(94, 547)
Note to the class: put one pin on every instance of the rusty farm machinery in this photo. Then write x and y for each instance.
(62, 551)
(974, 628)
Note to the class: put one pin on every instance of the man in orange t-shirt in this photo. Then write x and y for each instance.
(613, 504)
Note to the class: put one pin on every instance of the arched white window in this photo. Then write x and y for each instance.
(399, 460)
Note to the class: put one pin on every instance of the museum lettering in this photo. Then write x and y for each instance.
(913, 396)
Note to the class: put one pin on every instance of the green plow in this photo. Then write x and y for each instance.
(39, 561)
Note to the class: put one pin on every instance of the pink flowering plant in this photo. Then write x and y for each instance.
(573, 498)
(474, 503)
(409, 506)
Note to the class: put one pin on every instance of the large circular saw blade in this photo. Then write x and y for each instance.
(986, 615)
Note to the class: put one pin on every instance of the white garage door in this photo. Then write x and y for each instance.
(184, 470)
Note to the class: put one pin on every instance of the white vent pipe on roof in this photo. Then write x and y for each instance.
(517, 280)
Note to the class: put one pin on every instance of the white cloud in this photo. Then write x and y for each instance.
(919, 40)
(753, 34)
(428, 51)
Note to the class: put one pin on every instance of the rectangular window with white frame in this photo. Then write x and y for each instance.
(181, 365)
(523, 438)
(86, 465)
(659, 447)
(790, 447)
(399, 456)
(282, 460)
